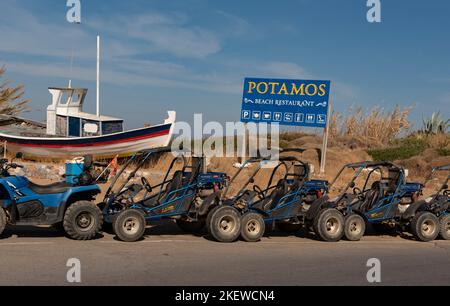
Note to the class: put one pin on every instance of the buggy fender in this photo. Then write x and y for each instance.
(210, 201)
(315, 207)
(413, 208)
(82, 193)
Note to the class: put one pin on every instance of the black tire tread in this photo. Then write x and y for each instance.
(69, 227)
(244, 220)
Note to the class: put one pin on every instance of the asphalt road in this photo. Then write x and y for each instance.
(169, 257)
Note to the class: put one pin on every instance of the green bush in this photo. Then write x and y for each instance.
(444, 152)
(399, 149)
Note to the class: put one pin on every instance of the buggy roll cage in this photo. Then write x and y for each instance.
(373, 166)
(444, 186)
(142, 157)
(283, 161)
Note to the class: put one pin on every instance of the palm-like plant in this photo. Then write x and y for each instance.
(435, 124)
(11, 98)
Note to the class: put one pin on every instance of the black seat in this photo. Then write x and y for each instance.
(55, 188)
(272, 201)
(163, 197)
(370, 198)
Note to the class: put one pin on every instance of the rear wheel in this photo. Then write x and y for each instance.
(425, 226)
(225, 224)
(129, 225)
(208, 217)
(329, 225)
(287, 227)
(354, 227)
(252, 227)
(191, 226)
(83, 220)
(445, 227)
(3, 220)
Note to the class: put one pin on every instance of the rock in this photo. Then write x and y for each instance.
(61, 171)
(19, 172)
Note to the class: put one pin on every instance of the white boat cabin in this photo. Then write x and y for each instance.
(65, 116)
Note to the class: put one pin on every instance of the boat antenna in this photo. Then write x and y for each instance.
(71, 69)
(71, 61)
(98, 75)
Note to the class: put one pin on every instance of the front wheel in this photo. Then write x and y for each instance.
(354, 227)
(445, 227)
(225, 224)
(83, 220)
(329, 225)
(3, 220)
(252, 227)
(425, 226)
(129, 225)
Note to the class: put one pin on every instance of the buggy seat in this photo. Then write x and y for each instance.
(274, 198)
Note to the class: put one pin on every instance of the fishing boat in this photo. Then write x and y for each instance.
(70, 132)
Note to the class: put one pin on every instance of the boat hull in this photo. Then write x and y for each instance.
(100, 146)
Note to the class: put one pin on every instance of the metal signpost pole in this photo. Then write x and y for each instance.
(323, 159)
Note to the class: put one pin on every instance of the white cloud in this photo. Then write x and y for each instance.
(169, 33)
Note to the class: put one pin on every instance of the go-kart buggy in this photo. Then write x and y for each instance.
(283, 201)
(383, 199)
(71, 207)
(185, 195)
(439, 202)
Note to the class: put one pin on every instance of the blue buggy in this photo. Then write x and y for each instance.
(283, 201)
(185, 195)
(378, 194)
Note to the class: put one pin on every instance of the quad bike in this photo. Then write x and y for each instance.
(71, 207)
(185, 195)
(284, 203)
(384, 200)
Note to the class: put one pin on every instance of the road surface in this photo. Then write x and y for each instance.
(166, 256)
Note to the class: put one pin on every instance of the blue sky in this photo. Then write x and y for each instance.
(192, 55)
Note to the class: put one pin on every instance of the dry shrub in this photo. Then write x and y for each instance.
(376, 125)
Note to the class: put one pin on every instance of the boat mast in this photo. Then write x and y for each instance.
(98, 75)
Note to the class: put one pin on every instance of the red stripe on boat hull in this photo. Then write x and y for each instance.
(155, 134)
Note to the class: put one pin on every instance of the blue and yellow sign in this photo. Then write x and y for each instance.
(287, 102)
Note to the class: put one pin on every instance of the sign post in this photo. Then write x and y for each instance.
(288, 102)
(323, 158)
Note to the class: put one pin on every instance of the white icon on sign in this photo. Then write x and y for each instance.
(299, 117)
(310, 118)
(248, 101)
(288, 117)
(245, 114)
(277, 116)
(267, 115)
(322, 119)
(256, 115)
(323, 104)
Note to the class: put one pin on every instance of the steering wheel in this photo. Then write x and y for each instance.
(259, 191)
(145, 183)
